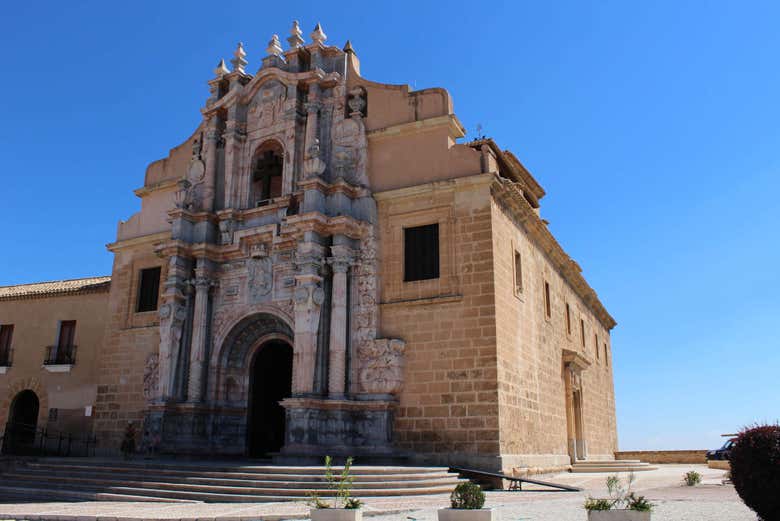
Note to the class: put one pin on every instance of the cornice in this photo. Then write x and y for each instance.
(162, 185)
(510, 197)
(137, 241)
(440, 186)
(455, 127)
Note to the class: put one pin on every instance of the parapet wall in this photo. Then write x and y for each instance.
(664, 456)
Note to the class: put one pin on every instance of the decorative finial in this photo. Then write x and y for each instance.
(274, 46)
(296, 36)
(318, 35)
(348, 47)
(221, 69)
(239, 61)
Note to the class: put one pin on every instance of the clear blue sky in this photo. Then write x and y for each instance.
(653, 126)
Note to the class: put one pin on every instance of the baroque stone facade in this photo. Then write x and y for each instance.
(287, 324)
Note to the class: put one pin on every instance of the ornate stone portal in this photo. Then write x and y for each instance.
(297, 265)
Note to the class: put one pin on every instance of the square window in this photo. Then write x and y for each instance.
(148, 289)
(421, 252)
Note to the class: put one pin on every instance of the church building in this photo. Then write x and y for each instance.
(324, 266)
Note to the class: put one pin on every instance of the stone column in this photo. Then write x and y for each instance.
(235, 136)
(203, 284)
(173, 312)
(212, 137)
(308, 298)
(337, 361)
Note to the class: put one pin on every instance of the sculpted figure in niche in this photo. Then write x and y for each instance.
(268, 105)
(350, 145)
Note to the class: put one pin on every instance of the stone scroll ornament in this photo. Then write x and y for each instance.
(382, 366)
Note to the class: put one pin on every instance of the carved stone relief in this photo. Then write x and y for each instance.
(382, 366)
(151, 376)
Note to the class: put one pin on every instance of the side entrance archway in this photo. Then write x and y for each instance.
(22, 423)
(270, 382)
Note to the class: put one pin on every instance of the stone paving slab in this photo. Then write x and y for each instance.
(711, 501)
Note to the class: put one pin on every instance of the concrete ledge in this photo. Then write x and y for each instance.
(664, 456)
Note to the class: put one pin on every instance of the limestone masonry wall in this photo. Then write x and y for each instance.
(130, 339)
(531, 387)
(448, 407)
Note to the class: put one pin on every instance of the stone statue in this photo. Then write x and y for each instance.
(151, 376)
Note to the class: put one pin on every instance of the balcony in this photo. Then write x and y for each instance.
(59, 359)
(6, 357)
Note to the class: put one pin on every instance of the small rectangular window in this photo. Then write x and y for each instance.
(518, 273)
(596, 344)
(606, 354)
(148, 289)
(547, 304)
(6, 335)
(568, 319)
(582, 332)
(421, 252)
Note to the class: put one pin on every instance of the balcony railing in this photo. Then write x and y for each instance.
(6, 357)
(60, 355)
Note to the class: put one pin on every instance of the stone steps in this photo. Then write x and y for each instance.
(171, 481)
(611, 466)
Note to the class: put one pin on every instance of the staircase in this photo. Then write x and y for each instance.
(112, 480)
(623, 465)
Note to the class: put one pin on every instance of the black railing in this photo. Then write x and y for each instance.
(6, 357)
(21, 439)
(60, 355)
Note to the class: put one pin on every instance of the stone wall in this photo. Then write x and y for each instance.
(532, 399)
(130, 340)
(448, 408)
(664, 456)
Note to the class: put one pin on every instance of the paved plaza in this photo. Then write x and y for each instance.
(712, 501)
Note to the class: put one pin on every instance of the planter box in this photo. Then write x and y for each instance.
(459, 514)
(618, 515)
(336, 514)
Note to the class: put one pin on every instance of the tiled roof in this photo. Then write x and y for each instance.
(57, 287)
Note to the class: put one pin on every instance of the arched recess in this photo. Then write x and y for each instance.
(237, 352)
(267, 173)
(20, 430)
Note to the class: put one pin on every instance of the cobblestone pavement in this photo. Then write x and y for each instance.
(710, 501)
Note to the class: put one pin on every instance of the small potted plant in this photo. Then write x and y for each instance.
(343, 507)
(466, 503)
(622, 504)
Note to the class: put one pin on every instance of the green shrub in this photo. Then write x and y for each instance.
(755, 469)
(467, 496)
(639, 503)
(692, 478)
(598, 504)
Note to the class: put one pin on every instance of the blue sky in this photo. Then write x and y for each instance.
(653, 127)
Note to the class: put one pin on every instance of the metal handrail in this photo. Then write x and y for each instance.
(27, 439)
(60, 355)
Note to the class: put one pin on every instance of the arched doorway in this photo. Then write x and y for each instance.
(270, 382)
(22, 423)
